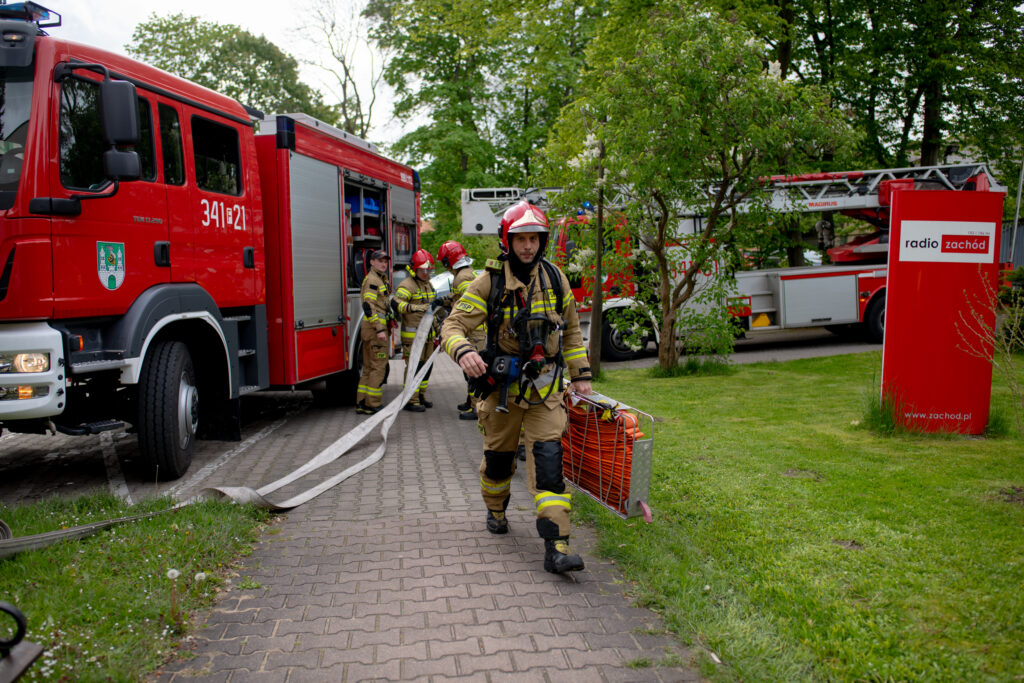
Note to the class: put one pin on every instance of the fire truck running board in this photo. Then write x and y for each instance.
(90, 428)
(247, 389)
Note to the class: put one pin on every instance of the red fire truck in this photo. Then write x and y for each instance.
(165, 250)
(850, 292)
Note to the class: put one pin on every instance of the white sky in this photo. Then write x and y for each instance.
(109, 24)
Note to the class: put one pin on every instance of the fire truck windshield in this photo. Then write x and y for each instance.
(15, 104)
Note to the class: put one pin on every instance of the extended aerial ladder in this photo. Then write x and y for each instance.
(859, 194)
(853, 291)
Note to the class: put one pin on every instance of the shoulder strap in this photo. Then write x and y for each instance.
(555, 276)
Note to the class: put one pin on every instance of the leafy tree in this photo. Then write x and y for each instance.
(489, 78)
(913, 77)
(688, 117)
(230, 60)
(440, 57)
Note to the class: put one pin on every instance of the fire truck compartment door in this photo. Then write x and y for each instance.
(830, 300)
(317, 263)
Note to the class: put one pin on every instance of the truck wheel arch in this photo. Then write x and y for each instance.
(185, 313)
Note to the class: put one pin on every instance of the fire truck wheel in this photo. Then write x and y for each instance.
(168, 410)
(613, 346)
(874, 319)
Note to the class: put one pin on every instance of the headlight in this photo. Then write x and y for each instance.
(24, 362)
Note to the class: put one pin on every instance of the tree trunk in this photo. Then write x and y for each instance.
(668, 358)
(931, 143)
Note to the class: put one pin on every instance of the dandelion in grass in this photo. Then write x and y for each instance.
(173, 575)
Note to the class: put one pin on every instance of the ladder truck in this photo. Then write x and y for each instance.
(849, 292)
(165, 250)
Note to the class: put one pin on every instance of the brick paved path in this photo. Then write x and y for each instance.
(392, 576)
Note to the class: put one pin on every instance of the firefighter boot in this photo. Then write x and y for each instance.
(363, 409)
(424, 402)
(467, 413)
(557, 557)
(521, 453)
(465, 405)
(496, 522)
(414, 406)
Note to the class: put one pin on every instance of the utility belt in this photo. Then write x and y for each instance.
(507, 374)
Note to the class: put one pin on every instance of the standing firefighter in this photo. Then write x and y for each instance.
(533, 334)
(413, 298)
(452, 256)
(374, 334)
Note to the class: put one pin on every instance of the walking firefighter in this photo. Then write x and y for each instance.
(373, 332)
(413, 297)
(533, 335)
(452, 256)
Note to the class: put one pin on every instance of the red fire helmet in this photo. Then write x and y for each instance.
(450, 253)
(422, 259)
(523, 217)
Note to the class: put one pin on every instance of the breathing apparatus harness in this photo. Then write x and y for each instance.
(531, 331)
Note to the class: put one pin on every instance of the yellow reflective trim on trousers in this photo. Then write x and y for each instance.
(500, 487)
(547, 499)
(408, 335)
(371, 391)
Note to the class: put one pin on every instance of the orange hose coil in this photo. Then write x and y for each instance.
(598, 452)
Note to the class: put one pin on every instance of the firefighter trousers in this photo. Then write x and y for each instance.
(375, 363)
(542, 427)
(412, 367)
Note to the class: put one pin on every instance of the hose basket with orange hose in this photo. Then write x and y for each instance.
(605, 453)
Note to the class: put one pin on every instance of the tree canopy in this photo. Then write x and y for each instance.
(230, 60)
(689, 120)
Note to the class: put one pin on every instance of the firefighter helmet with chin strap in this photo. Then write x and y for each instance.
(422, 259)
(524, 217)
(452, 255)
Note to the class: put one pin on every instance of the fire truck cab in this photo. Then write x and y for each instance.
(165, 250)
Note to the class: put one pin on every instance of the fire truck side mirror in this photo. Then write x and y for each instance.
(119, 112)
(120, 165)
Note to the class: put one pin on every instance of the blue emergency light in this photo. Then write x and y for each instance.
(30, 11)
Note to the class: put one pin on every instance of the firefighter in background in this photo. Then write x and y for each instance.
(373, 332)
(413, 297)
(452, 256)
(533, 334)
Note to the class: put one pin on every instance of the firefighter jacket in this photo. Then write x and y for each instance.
(413, 298)
(460, 283)
(376, 302)
(539, 295)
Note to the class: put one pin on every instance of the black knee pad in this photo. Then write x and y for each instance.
(498, 465)
(547, 461)
(420, 367)
(547, 529)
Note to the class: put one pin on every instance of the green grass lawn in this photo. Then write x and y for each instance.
(796, 544)
(104, 607)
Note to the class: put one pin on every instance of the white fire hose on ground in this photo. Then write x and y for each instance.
(385, 418)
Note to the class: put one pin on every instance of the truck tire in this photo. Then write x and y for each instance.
(168, 410)
(613, 346)
(874, 319)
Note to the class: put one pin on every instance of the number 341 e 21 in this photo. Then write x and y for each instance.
(221, 215)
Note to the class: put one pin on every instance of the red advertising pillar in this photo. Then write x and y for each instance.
(943, 268)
